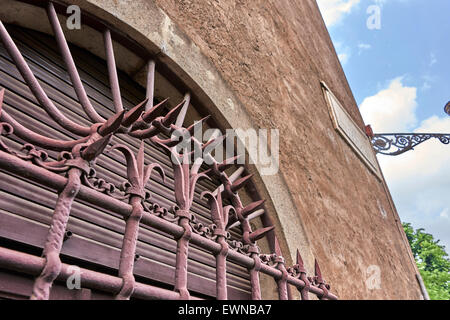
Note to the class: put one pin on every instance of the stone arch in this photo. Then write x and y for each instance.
(147, 26)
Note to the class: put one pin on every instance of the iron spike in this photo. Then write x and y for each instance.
(240, 183)
(154, 112)
(317, 271)
(96, 148)
(252, 207)
(250, 217)
(277, 247)
(300, 259)
(172, 115)
(191, 128)
(228, 163)
(112, 125)
(260, 233)
(133, 114)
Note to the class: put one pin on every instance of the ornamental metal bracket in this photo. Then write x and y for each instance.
(394, 144)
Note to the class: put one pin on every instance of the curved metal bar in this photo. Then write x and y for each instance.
(36, 88)
(394, 144)
(182, 115)
(150, 84)
(71, 68)
(37, 139)
(112, 71)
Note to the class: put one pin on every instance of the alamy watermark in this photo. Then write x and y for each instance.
(373, 277)
(73, 282)
(374, 19)
(262, 146)
(74, 19)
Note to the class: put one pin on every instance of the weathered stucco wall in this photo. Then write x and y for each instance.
(259, 64)
(273, 55)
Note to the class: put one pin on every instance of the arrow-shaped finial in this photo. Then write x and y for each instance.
(317, 271)
(260, 233)
(112, 124)
(154, 112)
(240, 183)
(96, 148)
(277, 247)
(300, 260)
(133, 114)
(252, 207)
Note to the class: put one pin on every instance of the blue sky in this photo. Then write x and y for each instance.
(400, 76)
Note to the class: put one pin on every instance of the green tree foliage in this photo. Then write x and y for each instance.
(432, 260)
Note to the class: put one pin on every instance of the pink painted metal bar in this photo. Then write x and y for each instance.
(55, 181)
(71, 68)
(55, 237)
(37, 139)
(150, 92)
(112, 71)
(138, 177)
(281, 282)
(36, 88)
(32, 265)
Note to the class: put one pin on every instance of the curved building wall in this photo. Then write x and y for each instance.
(259, 64)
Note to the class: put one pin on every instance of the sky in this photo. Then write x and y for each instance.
(395, 54)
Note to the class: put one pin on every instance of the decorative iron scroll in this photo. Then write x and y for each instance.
(447, 108)
(394, 144)
(74, 176)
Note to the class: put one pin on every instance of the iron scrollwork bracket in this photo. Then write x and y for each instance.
(394, 144)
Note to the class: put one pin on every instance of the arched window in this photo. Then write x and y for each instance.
(91, 175)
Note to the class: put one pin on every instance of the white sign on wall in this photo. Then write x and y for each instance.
(351, 132)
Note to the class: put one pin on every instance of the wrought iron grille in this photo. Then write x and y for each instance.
(394, 144)
(73, 175)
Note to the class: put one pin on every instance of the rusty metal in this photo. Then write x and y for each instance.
(138, 177)
(220, 216)
(29, 264)
(249, 238)
(112, 71)
(52, 180)
(281, 265)
(70, 64)
(298, 271)
(73, 175)
(319, 282)
(186, 178)
(36, 88)
(150, 92)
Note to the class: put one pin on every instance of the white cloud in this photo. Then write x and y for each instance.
(418, 179)
(428, 80)
(344, 52)
(363, 46)
(334, 10)
(433, 59)
(419, 182)
(392, 109)
(343, 57)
